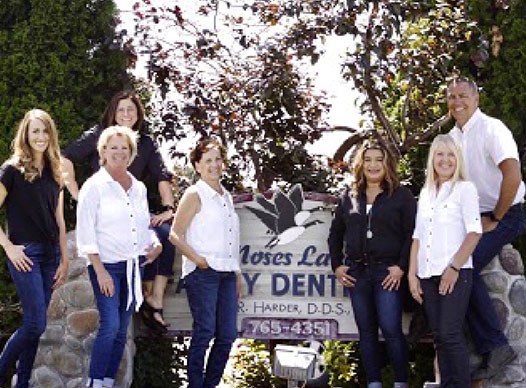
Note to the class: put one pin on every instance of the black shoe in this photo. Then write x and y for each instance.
(498, 359)
(147, 314)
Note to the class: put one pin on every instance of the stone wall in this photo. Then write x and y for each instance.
(64, 353)
(504, 277)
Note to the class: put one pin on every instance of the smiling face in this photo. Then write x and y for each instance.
(126, 113)
(444, 163)
(117, 153)
(373, 166)
(462, 101)
(37, 136)
(210, 167)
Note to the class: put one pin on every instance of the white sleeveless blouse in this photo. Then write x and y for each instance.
(214, 231)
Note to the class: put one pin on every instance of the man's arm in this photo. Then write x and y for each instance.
(511, 179)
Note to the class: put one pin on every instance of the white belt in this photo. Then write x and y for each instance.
(134, 283)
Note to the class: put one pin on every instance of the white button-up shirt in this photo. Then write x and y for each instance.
(214, 231)
(114, 224)
(485, 143)
(442, 222)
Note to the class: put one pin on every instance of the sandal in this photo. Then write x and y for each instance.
(147, 314)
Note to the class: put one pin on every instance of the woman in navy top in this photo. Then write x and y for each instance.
(125, 109)
(31, 189)
(369, 243)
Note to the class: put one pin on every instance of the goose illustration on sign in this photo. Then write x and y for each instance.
(284, 215)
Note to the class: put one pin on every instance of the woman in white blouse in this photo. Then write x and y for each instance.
(448, 228)
(206, 230)
(112, 232)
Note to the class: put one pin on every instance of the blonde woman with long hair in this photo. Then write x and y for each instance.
(31, 189)
(448, 228)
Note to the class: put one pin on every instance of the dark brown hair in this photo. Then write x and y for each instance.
(203, 146)
(391, 180)
(108, 117)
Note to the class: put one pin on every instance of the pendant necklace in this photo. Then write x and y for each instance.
(369, 233)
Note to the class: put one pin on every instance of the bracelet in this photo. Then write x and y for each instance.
(454, 268)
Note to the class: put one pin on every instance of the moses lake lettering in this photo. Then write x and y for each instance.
(310, 257)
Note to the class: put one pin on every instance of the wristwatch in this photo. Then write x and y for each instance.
(494, 218)
(168, 207)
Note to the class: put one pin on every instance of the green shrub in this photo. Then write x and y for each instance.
(160, 362)
(60, 56)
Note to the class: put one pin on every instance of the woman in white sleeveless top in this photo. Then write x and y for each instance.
(206, 230)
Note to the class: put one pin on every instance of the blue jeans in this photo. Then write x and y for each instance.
(114, 319)
(34, 290)
(446, 315)
(212, 297)
(163, 265)
(374, 306)
(483, 321)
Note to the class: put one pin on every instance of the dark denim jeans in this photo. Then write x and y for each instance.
(114, 319)
(212, 297)
(375, 307)
(34, 290)
(446, 316)
(483, 321)
(163, 265)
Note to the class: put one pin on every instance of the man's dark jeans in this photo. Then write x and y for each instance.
(483, 321)
(446, 316)
(34, 290)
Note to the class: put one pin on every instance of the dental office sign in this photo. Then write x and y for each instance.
(289, 290)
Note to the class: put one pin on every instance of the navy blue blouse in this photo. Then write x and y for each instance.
(390, 224)
(147, 164)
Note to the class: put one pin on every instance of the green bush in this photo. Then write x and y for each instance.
(160, 362)
(60, 56)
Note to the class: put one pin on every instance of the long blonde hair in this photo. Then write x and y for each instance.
(23, 158)
(460, 169)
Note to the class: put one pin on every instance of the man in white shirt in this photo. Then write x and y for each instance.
(492, 163)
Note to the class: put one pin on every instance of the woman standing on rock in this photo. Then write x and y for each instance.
(31, 189)
(448, 228)
(113, 232)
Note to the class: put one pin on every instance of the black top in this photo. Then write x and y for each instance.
(30, 206)
(147, 164)
(392, 220)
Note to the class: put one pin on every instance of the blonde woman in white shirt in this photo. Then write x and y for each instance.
(448, 228)
(206, 230)
(113, 232)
